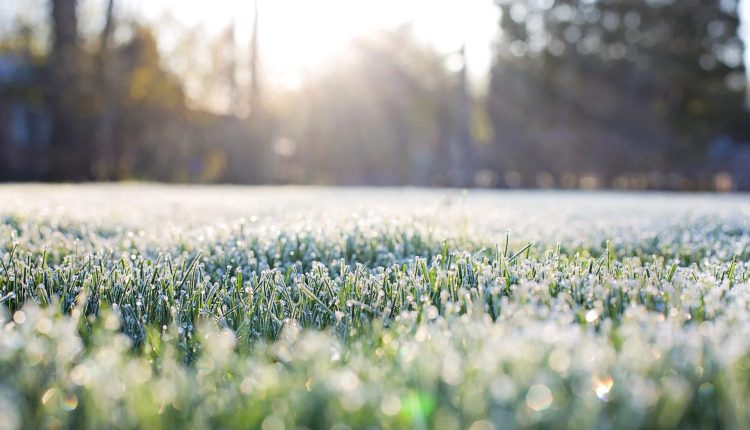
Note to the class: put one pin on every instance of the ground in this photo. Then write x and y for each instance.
(144, 306)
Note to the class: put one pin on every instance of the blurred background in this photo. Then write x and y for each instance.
(624, 94)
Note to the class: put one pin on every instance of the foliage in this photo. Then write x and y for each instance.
(377, 116)
(582, 93)
(616, 87)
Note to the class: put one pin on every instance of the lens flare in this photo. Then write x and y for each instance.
(602, 386)
(539, 398)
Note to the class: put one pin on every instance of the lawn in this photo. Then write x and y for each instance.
(145, 306)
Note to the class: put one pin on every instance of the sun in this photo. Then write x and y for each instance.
(296, 37)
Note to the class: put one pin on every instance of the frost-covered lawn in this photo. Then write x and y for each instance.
(228, 307)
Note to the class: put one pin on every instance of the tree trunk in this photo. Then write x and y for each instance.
(68, 155)
(105, 166)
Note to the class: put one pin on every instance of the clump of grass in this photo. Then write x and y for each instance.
(389, 320)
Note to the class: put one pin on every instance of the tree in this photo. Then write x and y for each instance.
(70, 156)
(613, 87)
(104, 164)
(149, 127)
(386, 114)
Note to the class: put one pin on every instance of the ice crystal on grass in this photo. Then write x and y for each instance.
(174, 307)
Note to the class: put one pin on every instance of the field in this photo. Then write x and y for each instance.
(140, 306)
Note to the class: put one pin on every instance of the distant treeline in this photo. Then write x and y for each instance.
(612, 93)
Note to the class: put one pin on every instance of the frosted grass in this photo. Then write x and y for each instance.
(229, 307)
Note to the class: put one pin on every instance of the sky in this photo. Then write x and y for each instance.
(296, 36)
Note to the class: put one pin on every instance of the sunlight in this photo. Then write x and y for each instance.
(297, 36)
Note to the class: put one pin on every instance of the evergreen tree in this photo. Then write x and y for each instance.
(612, 87)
